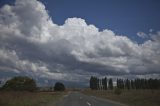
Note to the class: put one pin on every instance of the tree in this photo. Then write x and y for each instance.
(59, 86)
(119, 84)
(139, 83)
(127, 84)
(20, 83)
(91, 83)
(98, 84)
(105, 83)
(110, 84)
(132, 84)
(94, 83)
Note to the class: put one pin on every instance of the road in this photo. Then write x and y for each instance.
(79, 99)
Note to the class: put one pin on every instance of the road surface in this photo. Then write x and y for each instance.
(79, 99)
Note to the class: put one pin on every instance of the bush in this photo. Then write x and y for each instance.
(117, 91)
(59, 87)
(20, 83)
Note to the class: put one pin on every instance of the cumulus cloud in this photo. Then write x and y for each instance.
(151, 30)
(142, 34)
(31, 43)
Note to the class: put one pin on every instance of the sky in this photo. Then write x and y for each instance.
(71, 40)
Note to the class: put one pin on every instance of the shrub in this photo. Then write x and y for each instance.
(117, 91)
(59, 87)
(20, 83)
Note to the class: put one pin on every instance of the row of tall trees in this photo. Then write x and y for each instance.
(101, 84)
(104, 83)
(138, 83)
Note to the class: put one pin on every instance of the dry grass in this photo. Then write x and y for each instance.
(29, 98)
(130, 97)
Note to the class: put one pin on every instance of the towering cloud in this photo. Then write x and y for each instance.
(31, 43)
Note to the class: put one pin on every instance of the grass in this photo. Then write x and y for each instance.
(30, 98)
(130, 97)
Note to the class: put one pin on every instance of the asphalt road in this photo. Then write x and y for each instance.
(79, 99)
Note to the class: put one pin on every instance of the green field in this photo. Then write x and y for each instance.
(30, 98)
(130, 97)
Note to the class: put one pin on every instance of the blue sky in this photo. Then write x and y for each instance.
(70, 40)
(125, 17)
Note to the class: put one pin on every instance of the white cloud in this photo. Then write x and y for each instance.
(32, 43)
(24, 66)
(142, 34)
(155, 36)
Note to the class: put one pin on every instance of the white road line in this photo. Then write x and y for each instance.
(88, 104)
(94, 98)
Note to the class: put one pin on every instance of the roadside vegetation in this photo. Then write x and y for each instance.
(129, 97)
(23, 91)
(137, 92)
(17, 98)
(59, 87)
(20, 83)
(105, 84)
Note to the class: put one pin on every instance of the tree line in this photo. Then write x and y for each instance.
(101, 84)
(24, 83)
(138, 83)
(104, 83)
